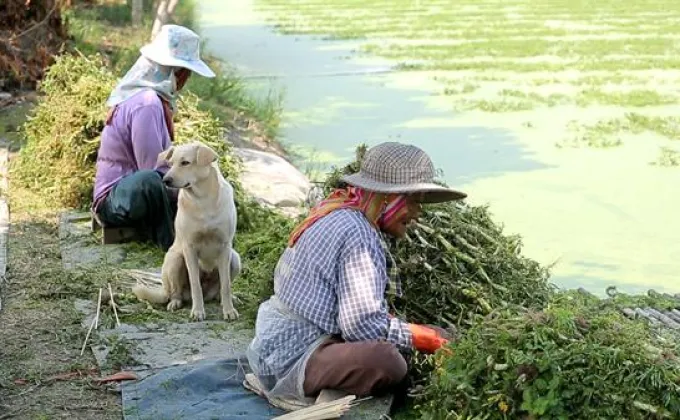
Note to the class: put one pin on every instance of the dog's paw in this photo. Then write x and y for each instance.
(174, 304)
(230, 314)
(198, 314)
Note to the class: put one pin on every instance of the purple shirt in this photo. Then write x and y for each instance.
(132, 142)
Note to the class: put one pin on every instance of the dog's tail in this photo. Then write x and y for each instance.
(235, 268)
(151, 294)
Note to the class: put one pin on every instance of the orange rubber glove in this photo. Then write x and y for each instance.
(426, 339)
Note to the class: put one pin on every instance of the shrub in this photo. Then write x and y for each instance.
(260, 245)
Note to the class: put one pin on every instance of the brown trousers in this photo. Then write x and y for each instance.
(359, 368)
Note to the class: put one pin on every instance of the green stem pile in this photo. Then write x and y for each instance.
(457, 264)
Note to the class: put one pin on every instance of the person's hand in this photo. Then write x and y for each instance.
(443, 333)
(448, 335)
(426, 339)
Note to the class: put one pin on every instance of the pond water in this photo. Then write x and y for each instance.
(606, 217)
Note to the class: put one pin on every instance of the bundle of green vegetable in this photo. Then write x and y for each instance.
(579, 358)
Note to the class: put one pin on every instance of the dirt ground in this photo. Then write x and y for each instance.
(42, 375)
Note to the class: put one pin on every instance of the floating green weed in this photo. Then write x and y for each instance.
(603, 133)
(668, 127)
(460, 89)
(631, 98)
(606, 133)
(668, 157)
(498, 105)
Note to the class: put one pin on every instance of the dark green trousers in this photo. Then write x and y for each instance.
(140, 200)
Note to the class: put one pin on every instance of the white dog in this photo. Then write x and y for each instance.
(205, 226)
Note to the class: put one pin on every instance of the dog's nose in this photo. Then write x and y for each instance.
(167, 180)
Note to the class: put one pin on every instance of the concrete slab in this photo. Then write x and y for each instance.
(373, 409)
(155, 346)
(79, 245)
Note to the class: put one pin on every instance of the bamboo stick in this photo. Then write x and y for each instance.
(113, 305)
(95, 322)
(329, 410)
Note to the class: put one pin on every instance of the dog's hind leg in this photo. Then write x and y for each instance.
(211, 285)
(225, 270)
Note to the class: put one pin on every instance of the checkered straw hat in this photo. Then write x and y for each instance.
(397, 168)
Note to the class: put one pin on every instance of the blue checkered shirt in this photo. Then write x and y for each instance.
(334, 279)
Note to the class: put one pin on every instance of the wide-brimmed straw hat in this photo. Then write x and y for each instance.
(177, 46)
(396, 168)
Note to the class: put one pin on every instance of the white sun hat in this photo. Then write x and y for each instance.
(177, 46)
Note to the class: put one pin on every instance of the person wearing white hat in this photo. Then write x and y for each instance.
(128, 190)
(327, 326)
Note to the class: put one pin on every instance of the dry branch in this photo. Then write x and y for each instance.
(164, 10)
(31, 35)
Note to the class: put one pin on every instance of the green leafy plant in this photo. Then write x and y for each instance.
(577, 358)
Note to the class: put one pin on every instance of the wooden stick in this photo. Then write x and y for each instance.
(113, 305)
(329, 410)
(82, 350)
(99, 306)
(95, 321)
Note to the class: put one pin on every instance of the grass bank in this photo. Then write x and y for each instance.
(596, 66)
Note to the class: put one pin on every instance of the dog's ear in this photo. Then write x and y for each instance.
(165, 155)
(205, 155)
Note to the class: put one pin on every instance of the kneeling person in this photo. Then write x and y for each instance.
(128, 190)
(327, 325)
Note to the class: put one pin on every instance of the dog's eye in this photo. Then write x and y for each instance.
(184, 163)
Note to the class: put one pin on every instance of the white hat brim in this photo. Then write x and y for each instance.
(432, 193)
(197, 66)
